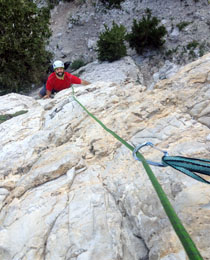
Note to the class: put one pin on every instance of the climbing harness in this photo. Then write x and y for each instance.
(184, 237)
(183, 164)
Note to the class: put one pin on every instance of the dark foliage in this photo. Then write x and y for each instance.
(111, 45)
(112, 3)
(9, 116)
(146, 33)
(24, 31)
(76, 64)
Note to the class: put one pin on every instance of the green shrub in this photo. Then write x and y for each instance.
(52, 3)
(202, 49)
(172, 51)
(110, 46)
(146, 33)
(76, 64)
(9, 116)
(24, 30)
(182, 25)
(192, 45)
(76, 20)
(112, 3)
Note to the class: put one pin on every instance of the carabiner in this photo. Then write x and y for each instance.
(148, 161)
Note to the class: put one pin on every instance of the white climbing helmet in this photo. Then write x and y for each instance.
(58, 64)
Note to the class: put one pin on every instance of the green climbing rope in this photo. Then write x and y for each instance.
(181, 232)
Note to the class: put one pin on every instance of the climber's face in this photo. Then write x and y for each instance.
(59, 72)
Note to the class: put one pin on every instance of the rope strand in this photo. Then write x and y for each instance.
(189, 166)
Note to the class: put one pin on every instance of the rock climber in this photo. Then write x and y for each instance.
(59, 80)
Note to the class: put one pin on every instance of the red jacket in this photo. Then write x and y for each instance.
(54, 83)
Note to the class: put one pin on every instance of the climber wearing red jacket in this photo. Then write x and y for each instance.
(59, 80)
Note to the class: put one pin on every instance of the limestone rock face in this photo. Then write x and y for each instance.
(70, 190)
(191, 86)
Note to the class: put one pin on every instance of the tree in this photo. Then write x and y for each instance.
(111, 45)
(146, 33)
(24, 31)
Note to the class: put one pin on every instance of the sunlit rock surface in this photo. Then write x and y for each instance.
(70, 190)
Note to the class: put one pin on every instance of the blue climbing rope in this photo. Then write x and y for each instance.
(183, 164)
